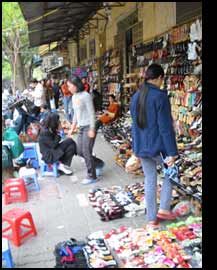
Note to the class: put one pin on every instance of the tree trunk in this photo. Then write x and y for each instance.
(20, 82)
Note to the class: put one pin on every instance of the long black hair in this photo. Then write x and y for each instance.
(154, 71)
(77, 82)
(52, 122)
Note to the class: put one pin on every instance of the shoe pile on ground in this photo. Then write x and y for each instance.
(118, 134)
(116, 202)
(97, 253)
(142, 248)
(178, 245)
(70, 254)
(103, 202)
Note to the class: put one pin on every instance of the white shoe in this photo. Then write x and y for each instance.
(62, 168)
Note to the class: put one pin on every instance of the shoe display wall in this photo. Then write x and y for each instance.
(179, 51)
(111, 76)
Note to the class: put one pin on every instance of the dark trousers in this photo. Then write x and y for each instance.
(48, 104)
(98, 124)
(56, 98)
(69, 148)
(85, 150)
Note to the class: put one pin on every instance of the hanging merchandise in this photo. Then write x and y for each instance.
(192, 53)
(196, 31)
(111, 76)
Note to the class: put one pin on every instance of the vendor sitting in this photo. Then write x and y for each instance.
(110, 115)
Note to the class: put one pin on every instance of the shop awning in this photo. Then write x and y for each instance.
(55, 21)
(46, 48)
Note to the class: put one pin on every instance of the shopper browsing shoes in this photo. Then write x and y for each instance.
(153, 134)
(84, 117)
(51, 147)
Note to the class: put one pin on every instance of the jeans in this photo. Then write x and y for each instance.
(150, 172)
(85, 150)
(67, 101)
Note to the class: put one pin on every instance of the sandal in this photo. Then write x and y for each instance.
(169, 216)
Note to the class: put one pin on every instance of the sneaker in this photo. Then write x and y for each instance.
(62, 173)
(87, 181)
(62, 168)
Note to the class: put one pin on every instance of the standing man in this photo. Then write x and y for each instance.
(56, 92)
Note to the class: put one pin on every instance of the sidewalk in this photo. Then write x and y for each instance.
(61, 210)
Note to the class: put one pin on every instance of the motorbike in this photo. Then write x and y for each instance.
(25, 117)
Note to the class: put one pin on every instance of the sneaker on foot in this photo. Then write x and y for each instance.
(62, 168)
(88, 181)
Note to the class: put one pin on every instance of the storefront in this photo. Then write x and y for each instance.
(115, 45)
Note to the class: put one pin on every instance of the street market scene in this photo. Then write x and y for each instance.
(101, 135)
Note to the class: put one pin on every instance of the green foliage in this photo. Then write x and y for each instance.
(14, 37)
(6, 70)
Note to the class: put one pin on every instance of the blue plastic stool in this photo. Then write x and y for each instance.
(30, 152)
(6, 253)
(31, 178)
(99, 172)
(45, 168)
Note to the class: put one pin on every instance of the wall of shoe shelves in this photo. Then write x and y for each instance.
(111, 75)
(92, 67)
(179, 51)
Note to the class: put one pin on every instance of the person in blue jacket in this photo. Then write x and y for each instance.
(153, 135)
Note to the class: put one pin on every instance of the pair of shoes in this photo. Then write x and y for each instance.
(87, 181)
(65, 170)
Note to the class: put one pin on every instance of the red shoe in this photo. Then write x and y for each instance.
(169, 216)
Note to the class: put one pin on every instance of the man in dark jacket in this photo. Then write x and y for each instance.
(56, 93)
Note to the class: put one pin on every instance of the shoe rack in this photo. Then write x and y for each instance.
(93, 73)
(129, 87)
(182, 65)
(111, 75)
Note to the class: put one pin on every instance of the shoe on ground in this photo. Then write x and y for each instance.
(88, 181)
(62, 168)
(152, 225)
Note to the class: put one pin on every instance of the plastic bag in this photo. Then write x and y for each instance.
(17, 148)
(183, 208)
(133, 164)
(6, 158)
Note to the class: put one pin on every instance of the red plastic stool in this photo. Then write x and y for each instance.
(15, 190)
(15, 217)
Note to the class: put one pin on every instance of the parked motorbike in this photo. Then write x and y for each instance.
(26, 118)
